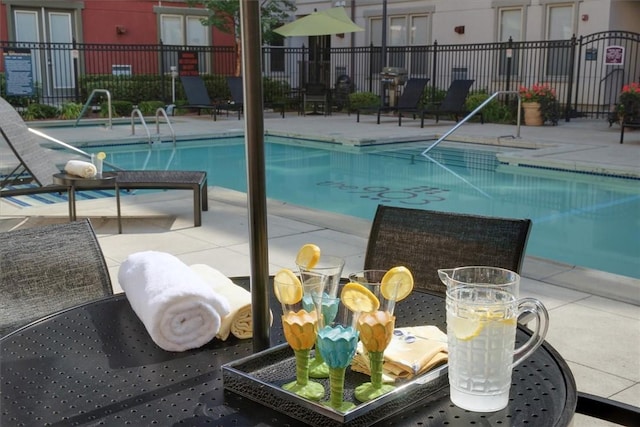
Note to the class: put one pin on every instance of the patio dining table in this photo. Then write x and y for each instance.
(95, 364)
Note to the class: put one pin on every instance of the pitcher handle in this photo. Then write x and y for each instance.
(535, 307)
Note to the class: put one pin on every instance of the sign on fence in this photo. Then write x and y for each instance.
(614, 55)
(19, 72)
(188, 63)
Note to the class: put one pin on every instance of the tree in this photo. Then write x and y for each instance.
(225, 16)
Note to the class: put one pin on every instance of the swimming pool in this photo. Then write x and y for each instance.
(587, 220)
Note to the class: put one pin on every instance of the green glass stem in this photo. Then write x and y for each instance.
(302, 366)
(336, 380)
(375, 363)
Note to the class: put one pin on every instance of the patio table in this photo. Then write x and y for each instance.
(95, 364)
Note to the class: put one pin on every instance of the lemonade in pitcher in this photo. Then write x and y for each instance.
(485, 334)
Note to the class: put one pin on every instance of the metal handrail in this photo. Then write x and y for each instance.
(70, 147)
(136, 111)
(471, 114)
(86, 105)
(164, 113)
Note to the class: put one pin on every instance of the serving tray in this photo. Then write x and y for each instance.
(260, 377)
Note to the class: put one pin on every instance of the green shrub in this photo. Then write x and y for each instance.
(118, 109)
(40, 112)
(360, 100)
(149, 108)
(494, 112)
(70, 111)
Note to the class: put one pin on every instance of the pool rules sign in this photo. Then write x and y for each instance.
(19, 72)
(188, 63)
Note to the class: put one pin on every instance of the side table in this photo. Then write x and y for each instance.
(74, 183)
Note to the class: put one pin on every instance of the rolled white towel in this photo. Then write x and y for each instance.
(80, 168)
(179, 310)
(239, 321)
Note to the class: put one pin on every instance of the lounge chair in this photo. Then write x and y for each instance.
(453, 103)
(628, 122)
(408, 101)
(47, 269)
(39, 164)
(236, 103)
(197, 95)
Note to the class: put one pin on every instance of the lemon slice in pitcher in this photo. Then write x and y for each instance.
(357, 298)
(397, 283)
(463, 328)
(287, 287)
(308, 255)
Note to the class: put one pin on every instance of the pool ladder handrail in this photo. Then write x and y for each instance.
(473, 113)
(136, 112)
(86, 105)
(162, 111)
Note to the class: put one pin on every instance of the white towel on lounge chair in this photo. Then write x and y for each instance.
(179, 310)
(80, 168)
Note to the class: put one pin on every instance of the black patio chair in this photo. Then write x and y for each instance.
(314, 94)
(197, 95)
(47, 269)
(452, 104)
(409, 101)
(425, 240)
(236, 102)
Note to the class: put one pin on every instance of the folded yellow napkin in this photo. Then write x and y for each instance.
(239, 320)
(80, 168)
(412, 351)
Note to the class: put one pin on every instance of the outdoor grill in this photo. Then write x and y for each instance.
(392, 78)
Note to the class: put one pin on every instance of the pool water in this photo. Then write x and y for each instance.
(579, 219)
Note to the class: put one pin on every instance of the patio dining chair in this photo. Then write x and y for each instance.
(425, 240)
(47, 269)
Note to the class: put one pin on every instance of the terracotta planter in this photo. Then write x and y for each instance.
(532, 114)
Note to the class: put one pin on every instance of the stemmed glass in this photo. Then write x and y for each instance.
(300, 330)
(376, 331)
(336, 343)
(320, 280)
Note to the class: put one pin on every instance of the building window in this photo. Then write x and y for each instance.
(510, 21)
(559, 27)
(184, 30)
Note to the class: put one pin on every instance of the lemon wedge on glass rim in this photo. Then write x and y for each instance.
(101, 155)
(397, 283)
(358, 298)
(287, 287)
(308, 255)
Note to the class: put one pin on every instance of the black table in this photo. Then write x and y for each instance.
(74, 183)
(96, 365)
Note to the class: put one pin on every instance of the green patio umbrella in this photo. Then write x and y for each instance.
(324, 22)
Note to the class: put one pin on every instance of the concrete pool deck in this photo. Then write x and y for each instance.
(597, 334)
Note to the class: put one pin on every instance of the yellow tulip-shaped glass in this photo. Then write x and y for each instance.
(376, 332)
(300, 330)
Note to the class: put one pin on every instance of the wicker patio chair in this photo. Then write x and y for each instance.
(424, 241)
(47, 269)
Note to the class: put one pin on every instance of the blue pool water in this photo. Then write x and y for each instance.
(581, 219)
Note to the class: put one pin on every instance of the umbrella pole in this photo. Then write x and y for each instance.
(256, 188)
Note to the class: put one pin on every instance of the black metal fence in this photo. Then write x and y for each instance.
(587, 72)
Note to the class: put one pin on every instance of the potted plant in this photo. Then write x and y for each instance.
(629, 103)
(539, 104)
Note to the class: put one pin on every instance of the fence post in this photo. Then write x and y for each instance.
(509, 56)
(434, 70)
(75, 71)
(572, 79)
(162, 70)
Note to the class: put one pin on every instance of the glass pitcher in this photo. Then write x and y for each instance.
(482, 311)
